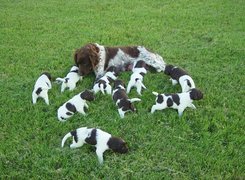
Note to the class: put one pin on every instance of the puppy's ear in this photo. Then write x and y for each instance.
(93, 55)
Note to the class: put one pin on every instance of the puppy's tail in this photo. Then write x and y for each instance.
(155, 93)
(138, 81)
(134, 100)
(60, 80)
(102, 88)
(65, 138)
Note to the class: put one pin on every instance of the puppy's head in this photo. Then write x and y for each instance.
(196, 94)
(48, 75)
(87, 95)
(119, 84)
(168, 69)
(117, 145)
(86, 58)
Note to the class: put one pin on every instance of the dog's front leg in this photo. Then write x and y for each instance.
(99, 153)
(130, 84)
(180, 111)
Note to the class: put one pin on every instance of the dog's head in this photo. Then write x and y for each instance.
(87, 95)
(168, 69)
(196, 94)
(87, 58)
(117, 145)
(119, 84)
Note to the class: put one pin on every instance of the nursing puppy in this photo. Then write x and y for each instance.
(98, 138)
(136, 79)
(42, 85)
(70, 80)
(103, 83)
(121, 99)
(75, 104)
(180, 76)
(178, 101)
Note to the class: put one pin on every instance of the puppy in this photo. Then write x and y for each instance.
(75, 104)
(121, 99)
(98, 138)
(178, 101)
(180, 76)
(70, 80)
(42, 85)
(136, 79)
(103, 83)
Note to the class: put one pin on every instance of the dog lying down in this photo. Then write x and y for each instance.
(180, 76)
(136, 79)
(103, 83)
(179, 101)
(98, 138)
(121, 99)
(70, 80)
(41, 87)
(75, 104)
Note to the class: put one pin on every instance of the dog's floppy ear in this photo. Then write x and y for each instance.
(93, 54)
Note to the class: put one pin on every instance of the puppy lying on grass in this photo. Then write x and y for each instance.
(98, 138)
(179, 101)
(103, 83)
(180, 76)
(75, 104)
(70, 80)
(136, 79)
(121, 99)
(41, 87)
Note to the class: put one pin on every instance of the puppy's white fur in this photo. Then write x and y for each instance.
(41, 87)
(136, 80)
(179, 101)
(70, 80)
(100, 139)
(104, 87)
(75, 104)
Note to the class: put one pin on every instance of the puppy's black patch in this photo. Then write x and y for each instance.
(69, 113)
(176, 99)
(188, 83)
(140, 64)
(170, 102)
(47, 74)
(71, 107)
(142, 74)
(92, 138)
(74, 134)
(38, 91)
(66, 80)
(196, 94)
(75, 71)
(159, 98)
(102, 82)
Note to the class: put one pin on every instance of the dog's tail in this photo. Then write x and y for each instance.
(134, 100)
(138, 81)
(65, 138)
(155, 93)
(63, 80)
(102, 88)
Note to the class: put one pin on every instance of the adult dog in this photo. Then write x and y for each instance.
(97, 58)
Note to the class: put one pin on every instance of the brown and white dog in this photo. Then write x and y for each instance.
(179, 101)
(121, 99)
(98, 138)
(97, 58)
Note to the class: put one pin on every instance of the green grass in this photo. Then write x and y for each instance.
(204, 37)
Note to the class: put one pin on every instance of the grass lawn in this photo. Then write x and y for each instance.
(206, 38)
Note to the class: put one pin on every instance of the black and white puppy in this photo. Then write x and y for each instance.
(103, 83)
(136, 79)
(70, 80)
(121, 99)
(179, 101)
(98, 138)
(180, 76)
(41, 87)
(75, 104)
